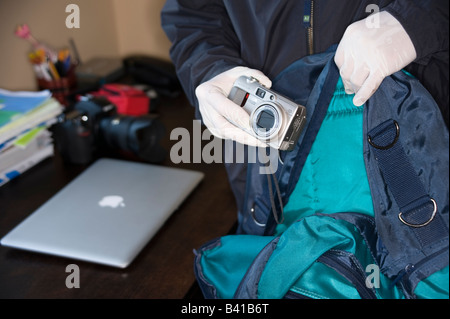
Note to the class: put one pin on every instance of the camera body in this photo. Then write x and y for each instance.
(274, 119)
(94, 128)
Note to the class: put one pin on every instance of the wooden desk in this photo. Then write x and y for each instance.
(164, 268)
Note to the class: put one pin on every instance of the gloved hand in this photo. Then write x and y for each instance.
(222, 117)
(366, 55)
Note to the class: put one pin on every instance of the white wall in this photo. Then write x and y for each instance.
(107, 28)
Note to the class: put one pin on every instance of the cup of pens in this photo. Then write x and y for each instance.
(56, 75)
(54, 70)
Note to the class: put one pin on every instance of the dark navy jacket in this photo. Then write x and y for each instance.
(211, 36)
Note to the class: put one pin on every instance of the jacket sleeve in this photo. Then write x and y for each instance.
(426, 23)
(204, 43)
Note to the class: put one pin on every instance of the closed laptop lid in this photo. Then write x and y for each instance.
(107, 214)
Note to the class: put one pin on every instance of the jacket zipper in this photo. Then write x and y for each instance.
(308, 22)
(311, 31)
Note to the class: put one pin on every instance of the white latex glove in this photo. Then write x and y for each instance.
(368, 53)
(222, 117)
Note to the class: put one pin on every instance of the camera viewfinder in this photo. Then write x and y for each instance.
(260, 93)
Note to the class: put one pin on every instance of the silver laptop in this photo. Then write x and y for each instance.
(107, 214)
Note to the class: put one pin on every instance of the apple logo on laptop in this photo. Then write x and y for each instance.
(113, 201)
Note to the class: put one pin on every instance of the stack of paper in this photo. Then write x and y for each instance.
(24, 136)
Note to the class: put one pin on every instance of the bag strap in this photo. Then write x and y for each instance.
(417, 209)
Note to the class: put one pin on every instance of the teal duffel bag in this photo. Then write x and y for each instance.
(362, 202)
(317, 257)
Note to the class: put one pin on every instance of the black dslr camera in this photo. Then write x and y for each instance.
(94, 128)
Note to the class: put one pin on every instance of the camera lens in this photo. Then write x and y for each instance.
(265, 120)
(139, 135)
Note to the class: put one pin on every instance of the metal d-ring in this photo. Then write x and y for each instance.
(397, 134)
(252, 214)
(424, 224)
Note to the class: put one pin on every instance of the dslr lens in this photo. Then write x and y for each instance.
(139, 135)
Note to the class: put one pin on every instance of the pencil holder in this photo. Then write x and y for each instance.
(61, 87)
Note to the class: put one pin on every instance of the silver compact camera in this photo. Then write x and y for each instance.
(274, 119)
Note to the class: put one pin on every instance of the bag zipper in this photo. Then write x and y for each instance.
(405, 274)
(349, 267)
(294, 295)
